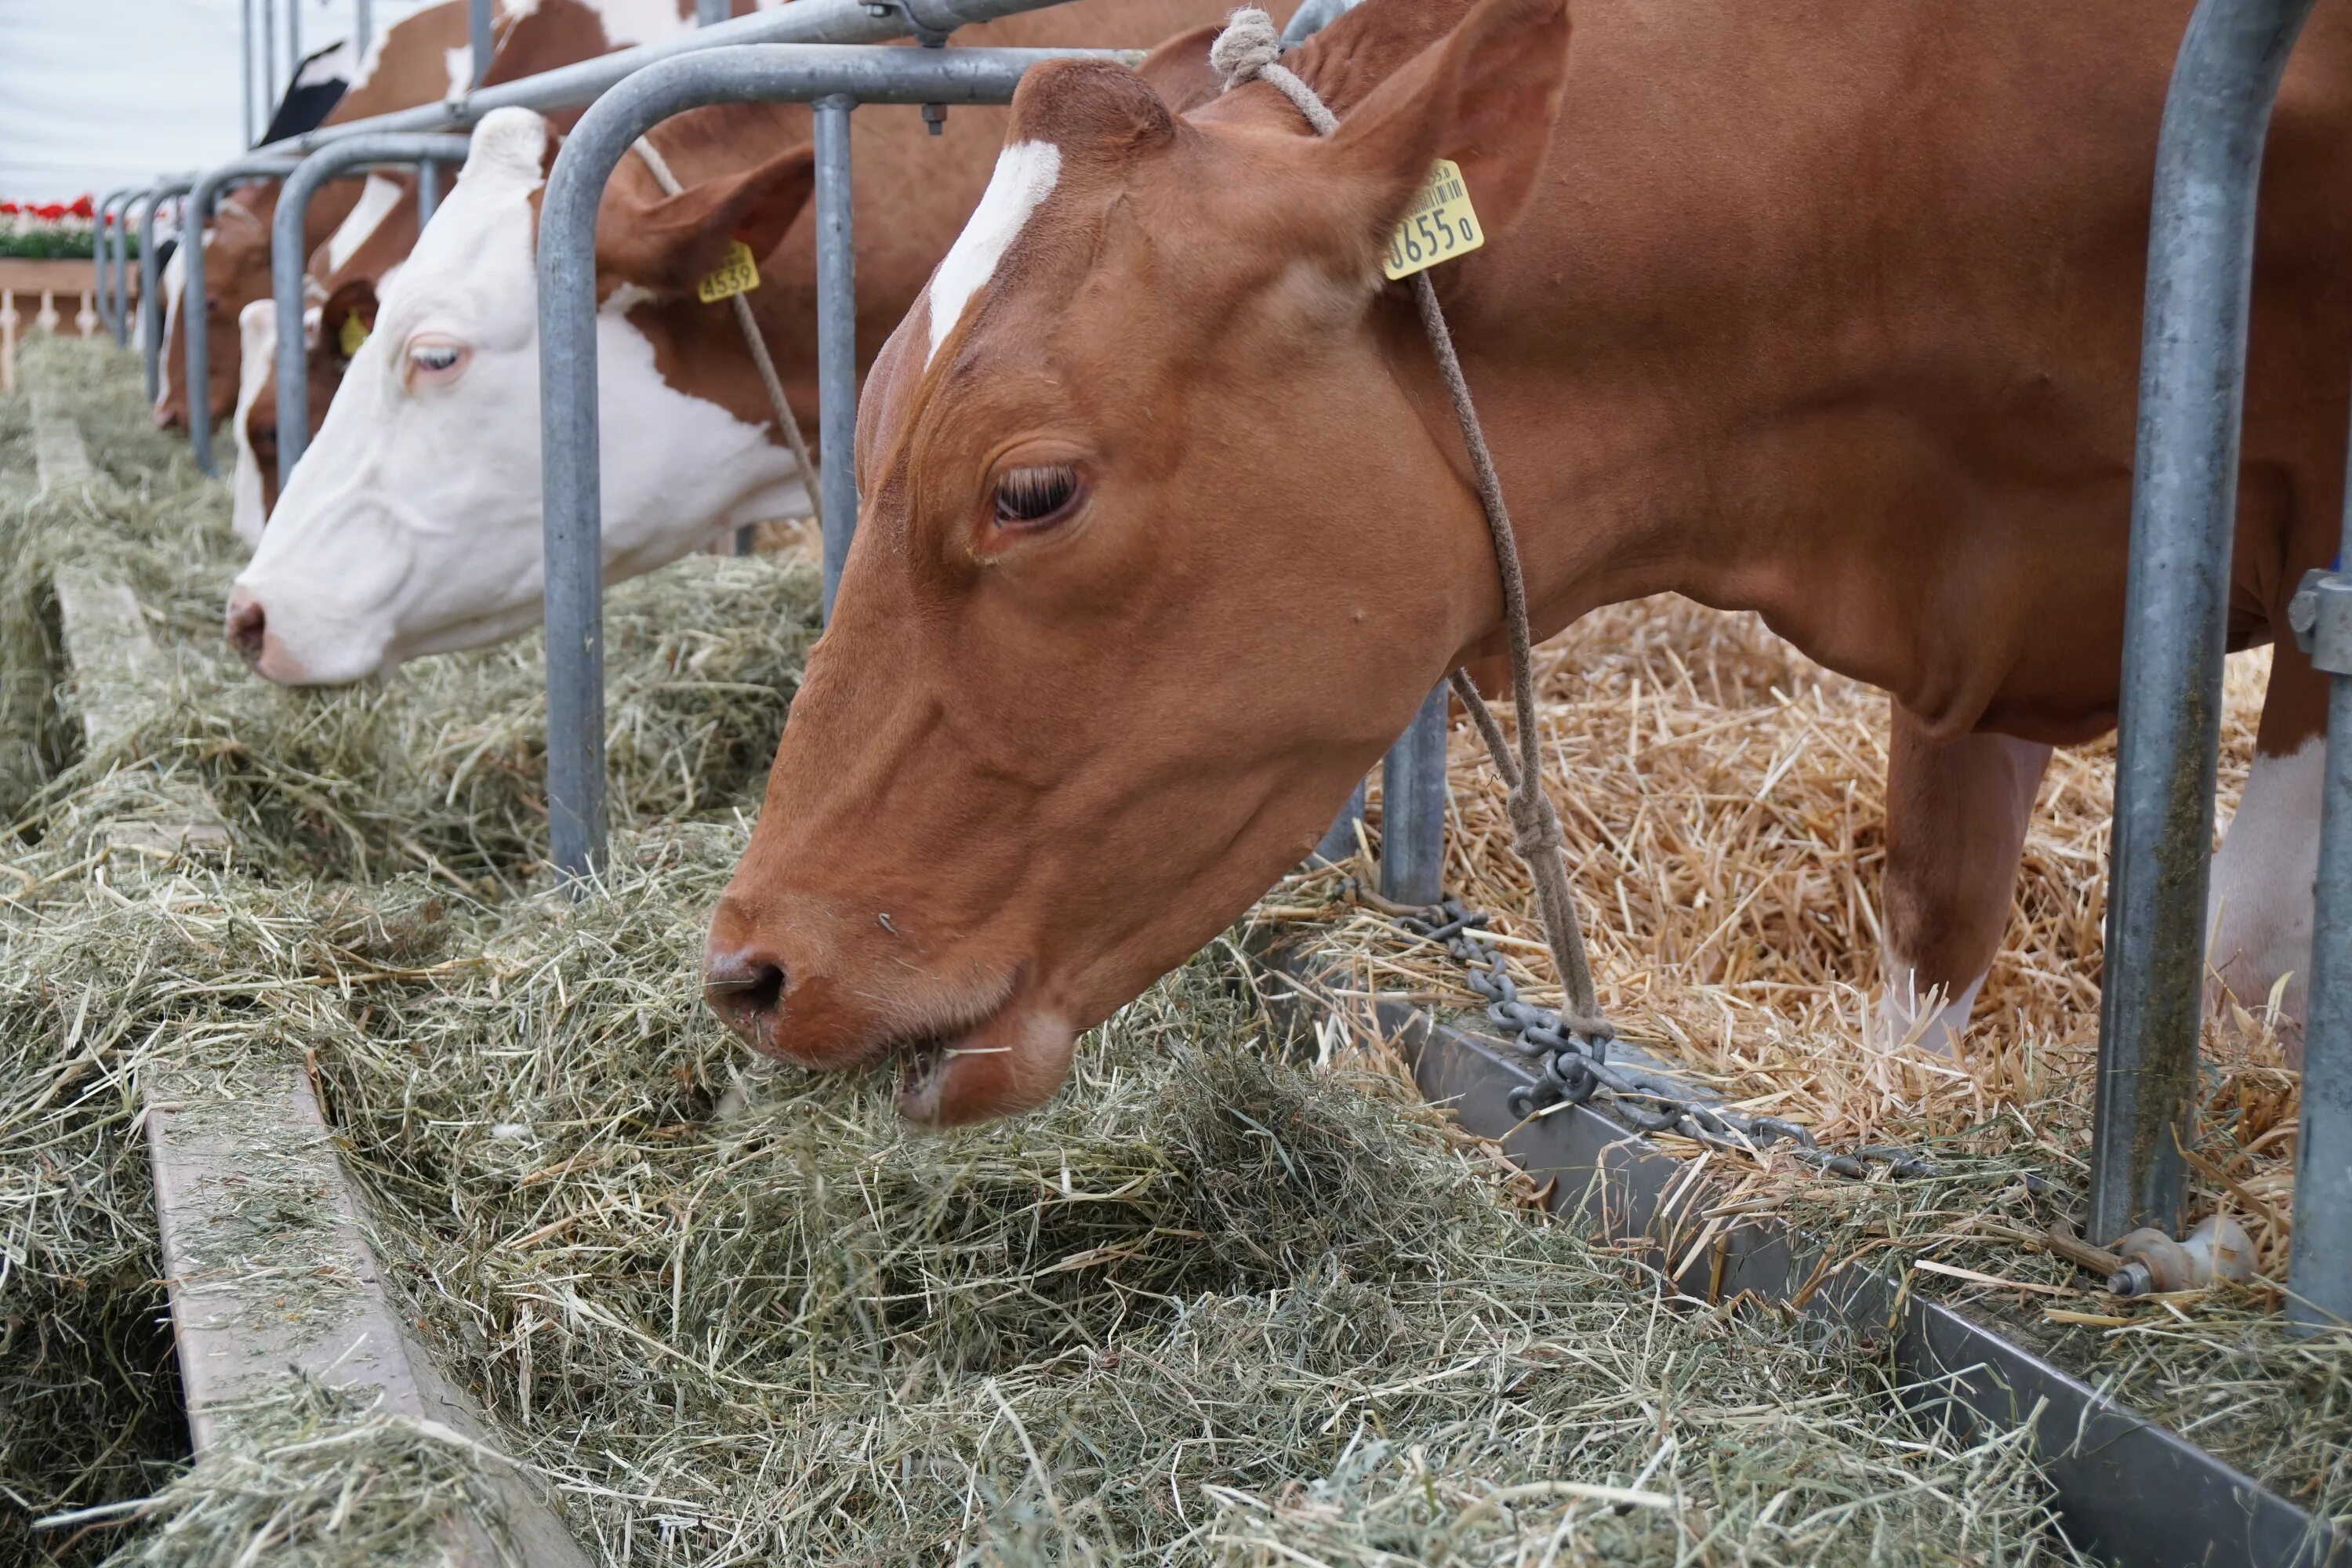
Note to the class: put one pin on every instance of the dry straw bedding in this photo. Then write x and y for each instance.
(1722, 797)
(1219, 1302)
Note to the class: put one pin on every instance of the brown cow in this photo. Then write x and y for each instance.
(408, 64)
(1829, 312)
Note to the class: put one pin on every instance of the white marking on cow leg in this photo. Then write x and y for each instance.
(1903, 1014)
(377, 198)
(1026, 174)
(2259, 911)
(257, 327)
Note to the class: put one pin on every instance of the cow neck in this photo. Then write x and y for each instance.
(651, 157)
(1249, 48)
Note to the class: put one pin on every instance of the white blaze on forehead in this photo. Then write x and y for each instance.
(377, 198)
(1026, 173)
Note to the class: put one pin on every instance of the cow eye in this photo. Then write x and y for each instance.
(1027, 498)
(435, 360)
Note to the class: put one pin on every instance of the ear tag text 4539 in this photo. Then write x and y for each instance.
(738, 274)
(1438, 227)
(351, 335)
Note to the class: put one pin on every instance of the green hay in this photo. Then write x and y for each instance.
(1213, 1304)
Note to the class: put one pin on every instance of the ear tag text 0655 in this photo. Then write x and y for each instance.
(351, 335)
(738, 274)
(1438, 227)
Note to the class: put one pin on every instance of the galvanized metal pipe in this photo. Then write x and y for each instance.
(363, 29)
(268, 63)
(100, 241)
(151, 292)
(711, 13)
(1412, 807)
(245, 71)
(2184, 508)
(289, 255)
(428, 191)
(837, 342)
(567, 87)
(123, 269)
(294, 43)
(477, 33)
(202, 199)
(573, 498)
(2319, 1274)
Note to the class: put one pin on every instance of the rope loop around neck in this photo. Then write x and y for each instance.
(1249, 49)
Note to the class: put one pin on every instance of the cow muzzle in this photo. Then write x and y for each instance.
(965, 1052)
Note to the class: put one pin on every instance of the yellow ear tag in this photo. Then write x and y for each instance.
(353, 333)
(739, 274)
(1438, 227)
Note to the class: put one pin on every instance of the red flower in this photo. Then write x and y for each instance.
(82, 207)
(11, 208)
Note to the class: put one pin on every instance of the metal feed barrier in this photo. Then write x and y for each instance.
(151, 282)
(835, 80)
(202, 198)
(289, 255)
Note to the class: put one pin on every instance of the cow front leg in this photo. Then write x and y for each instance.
(1957, 812)
(2258, 913)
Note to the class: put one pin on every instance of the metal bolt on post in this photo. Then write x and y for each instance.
(2184, 505)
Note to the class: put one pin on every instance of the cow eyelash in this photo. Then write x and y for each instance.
(434, 357)
(1027, 496)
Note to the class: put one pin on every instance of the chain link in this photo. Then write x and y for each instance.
(1572, 1065)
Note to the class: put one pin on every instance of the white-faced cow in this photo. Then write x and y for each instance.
(412, 524)
(1831, 312)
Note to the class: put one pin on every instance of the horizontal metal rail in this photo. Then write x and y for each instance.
(834, 78)
(567, 87)
(288, 256)
(151, 290)
(202, 198)
(2184, 514)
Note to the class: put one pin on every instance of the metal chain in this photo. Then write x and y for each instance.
(1573, 1066)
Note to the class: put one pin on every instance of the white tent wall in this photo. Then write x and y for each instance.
(100, 93)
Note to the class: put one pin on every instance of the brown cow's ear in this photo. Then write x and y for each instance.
(1486, 96)
(347, 318)
(672, 244)
(1180, 72)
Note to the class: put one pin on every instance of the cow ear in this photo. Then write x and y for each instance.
(1487, 95)
(346, 319)
(1180, 72)
(670, 245)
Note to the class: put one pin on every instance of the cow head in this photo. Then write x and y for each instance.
(411, 523)
(1164, 538)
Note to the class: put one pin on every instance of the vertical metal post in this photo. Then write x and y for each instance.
(293, 43)
(288, 254)
(150, 289)
(117, 260)
(2319, 1275)
(202, 200)
(268, 63)
(1412, 807)
(363, 29)
(428, 191)
(479, 31)
(100, 236)
(2184, 508)
(709, 12)
(244, 62)
(1339, 840)
(837, 341)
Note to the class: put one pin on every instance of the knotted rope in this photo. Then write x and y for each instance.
(752, 341)
(1250, 49)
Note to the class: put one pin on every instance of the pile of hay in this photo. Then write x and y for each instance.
(1724, 801)
(1217, 1303)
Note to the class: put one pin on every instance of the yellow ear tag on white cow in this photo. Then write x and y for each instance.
(738, 274)
(353, 333)
(1438, 227)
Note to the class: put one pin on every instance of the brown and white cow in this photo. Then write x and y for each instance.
(422, 57)
(412, 525)
(1828, 311)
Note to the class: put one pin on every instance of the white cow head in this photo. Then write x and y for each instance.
(411, 525)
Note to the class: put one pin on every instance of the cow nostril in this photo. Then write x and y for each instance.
(744, 988)
(246, 624)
